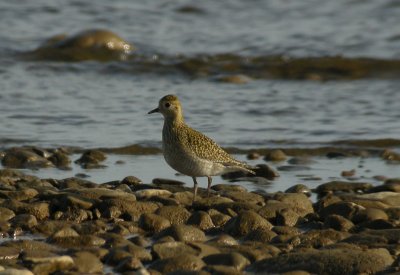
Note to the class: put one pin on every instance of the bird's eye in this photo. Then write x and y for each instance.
(167, 105)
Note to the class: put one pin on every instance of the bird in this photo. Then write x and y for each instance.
(190, 152)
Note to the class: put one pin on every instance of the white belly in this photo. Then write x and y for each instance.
(190, 165)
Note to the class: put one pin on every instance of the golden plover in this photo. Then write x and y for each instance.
(190, 152)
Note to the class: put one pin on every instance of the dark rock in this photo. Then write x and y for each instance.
(245, 222)
(299, 203)
(184, 233)
(228, 187)
(265, 171)
(370, 214)
(170, 249)
(219, 219)
(78, 241)
(129, 263)
(344, 209)
(20, 195)
(390, 155)
(275, 155)
(131, 180)
(239, 196)
(329, 261)
(271, 208)
(367, 240)
(86, 262)
(318, 238)
(48, 265)
(253, 156)
(260, 235)
(391, 235)
(201, 219)
(299, 188)
(38, 209)
(287, 217)
(140, 240)
(184, 198)
(238, 261)
(380, 200)
(6, 214)
(348, 173)
(160, 181)
(60, 159)
(65, 232)
(262, 170)
(335, 155)
(338, 223)
(213, 202)
(223, 270)
(139, 252)
(253, 251)
(24, 158)
(390, 185)
(91, 159)
(224, 239)
(181, 262)
(75, 183)
(175, 214)
(25, 221)
(203, 249)
(116, 255)
(153, 223)
(131, 210)
(343, 186)
(8, 253)
(96, 44)
(303, 161)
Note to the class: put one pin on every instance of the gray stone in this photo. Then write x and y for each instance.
(343, 186)
(184, 233)
(170, 249)
(328, 261)
(245, 222)
(234, 259)
(175, 214)
(260, 235)
(25, 221)
(338, 223)
(201, 219)
(181, 262)
(153, 222)
(86, 262)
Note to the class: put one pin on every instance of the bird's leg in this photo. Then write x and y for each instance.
(208, 186)
(194, 188)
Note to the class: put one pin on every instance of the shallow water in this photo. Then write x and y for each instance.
(148, 167)
(94, 104)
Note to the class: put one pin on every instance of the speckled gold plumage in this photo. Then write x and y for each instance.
(189, 151)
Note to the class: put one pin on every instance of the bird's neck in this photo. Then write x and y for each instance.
(174, 121)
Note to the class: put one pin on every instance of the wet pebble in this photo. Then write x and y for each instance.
(275, 155)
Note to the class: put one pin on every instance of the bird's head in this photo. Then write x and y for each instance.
(169, 106)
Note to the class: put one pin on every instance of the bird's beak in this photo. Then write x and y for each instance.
(156, 110)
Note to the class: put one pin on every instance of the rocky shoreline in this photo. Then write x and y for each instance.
(75, 226)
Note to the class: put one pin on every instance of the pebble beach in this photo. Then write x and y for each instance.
(302, 91)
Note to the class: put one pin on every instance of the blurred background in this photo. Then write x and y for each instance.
(249, 73)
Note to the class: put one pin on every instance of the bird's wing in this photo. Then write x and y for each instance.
(205, 148)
